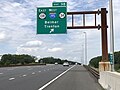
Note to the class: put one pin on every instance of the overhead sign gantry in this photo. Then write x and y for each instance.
(53, 21)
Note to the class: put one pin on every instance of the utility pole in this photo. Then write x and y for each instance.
(111, 34)
(85, 48)
(82, 56)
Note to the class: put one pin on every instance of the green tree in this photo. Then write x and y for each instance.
(95, 61)
(8, 59)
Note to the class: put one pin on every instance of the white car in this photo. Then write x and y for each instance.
(56, 63)
(65, 64)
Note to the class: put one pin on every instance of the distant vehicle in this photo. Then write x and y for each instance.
(76, 63)
(56, 63)
(65, 64)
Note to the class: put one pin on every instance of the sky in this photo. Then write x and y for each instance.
(18, 30)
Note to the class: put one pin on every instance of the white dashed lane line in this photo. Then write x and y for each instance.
(1, 73)
(24, 75)
(11, 79)
(33, 73)
(39, 71)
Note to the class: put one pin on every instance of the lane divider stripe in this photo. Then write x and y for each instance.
(1, 73)
(24, 75)
(55, 78)
(11, 78)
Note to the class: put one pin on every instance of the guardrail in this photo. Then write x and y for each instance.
(93, 71)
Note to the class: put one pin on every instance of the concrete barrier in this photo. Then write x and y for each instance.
(110, 80)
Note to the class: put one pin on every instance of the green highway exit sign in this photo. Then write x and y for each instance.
(51, 20)
(62, 4)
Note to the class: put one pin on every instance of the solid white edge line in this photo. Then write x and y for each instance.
(55, 79)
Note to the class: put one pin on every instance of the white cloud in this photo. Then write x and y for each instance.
(32, 44)
(4, 37)
(55, 49)
(29, 47)
(18, 29)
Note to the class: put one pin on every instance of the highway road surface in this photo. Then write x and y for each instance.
(49, 77)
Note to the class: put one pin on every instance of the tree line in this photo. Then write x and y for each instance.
(95, 61)
(9, 59)
(52, 60)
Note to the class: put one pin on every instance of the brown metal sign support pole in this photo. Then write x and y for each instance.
(104, 35)
(104, 65)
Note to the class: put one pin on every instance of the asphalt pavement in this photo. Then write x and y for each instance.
(78, 78)
(48, 77)
(28, 77)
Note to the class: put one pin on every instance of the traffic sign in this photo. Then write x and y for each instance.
(51, 20)
(62, 4)
(111, 58)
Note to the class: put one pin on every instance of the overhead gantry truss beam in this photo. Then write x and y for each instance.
(103, 27)
(84, 26)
